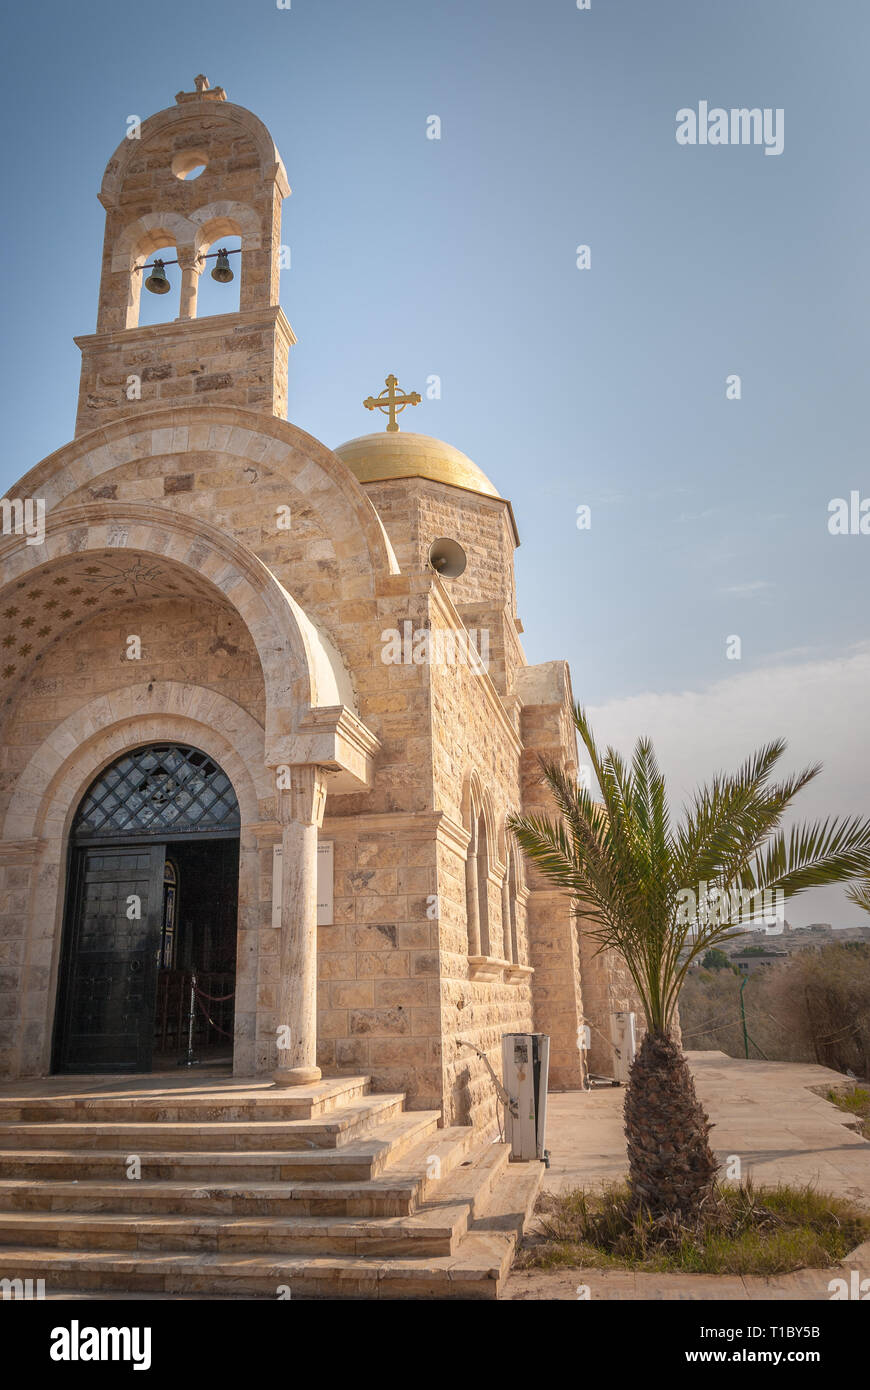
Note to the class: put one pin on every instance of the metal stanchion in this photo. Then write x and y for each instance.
(190, 1060)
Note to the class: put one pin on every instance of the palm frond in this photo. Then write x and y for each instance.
(859, 894)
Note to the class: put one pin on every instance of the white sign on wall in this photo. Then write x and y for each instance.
(324, 883)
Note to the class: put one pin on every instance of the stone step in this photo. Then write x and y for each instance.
(248, 1191)
(358, 1161)
(508, 1205)
(430, 1232)
(399, 1190)
(473, 1184)
(435, 1230)
(330, 1131)
(474, 1271)
(173, 1105)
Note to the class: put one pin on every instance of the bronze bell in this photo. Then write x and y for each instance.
(222, 272)
(157, 282)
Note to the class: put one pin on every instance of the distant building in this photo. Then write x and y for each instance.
(754, 958)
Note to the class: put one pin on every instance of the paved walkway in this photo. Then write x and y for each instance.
(766, 1115)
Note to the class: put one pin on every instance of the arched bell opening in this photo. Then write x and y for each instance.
(160, 286)
(221, 277)
(148, 957)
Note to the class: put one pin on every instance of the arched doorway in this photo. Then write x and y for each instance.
(152, 897)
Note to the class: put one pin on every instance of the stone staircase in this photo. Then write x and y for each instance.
(327, 1191)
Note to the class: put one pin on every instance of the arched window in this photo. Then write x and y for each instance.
(476, 885)
(483, 884)
(512, 902)
(152, 791)
(213, 297)
(509, 908)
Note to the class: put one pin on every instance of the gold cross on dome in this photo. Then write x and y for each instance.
(392, 401)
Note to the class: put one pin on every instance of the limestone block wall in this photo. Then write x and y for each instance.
(203, 477)
(476, 1006)
(378, 967)
(576, 984)
(417, 511)
(474, 739)
(21, 1037)
(495, 634)
(230, 359)
(554, 948)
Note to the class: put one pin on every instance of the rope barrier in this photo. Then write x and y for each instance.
(214, 1025)
(214, 998)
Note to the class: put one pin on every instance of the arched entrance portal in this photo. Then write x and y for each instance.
(152, 896)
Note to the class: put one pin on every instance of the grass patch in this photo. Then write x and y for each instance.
(857, 1102)
(746, 1230)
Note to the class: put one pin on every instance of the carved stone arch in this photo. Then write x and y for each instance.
(472, 797)
(52, 783)
(491, 832)
(348, 514)
(512, 895)
(216, 221)
(226, 218)
(509, 848)
(138, 240)
(148, 233)
(477, 801)
(241, 123)
(299, 665)
(50, 791)
(479, 819)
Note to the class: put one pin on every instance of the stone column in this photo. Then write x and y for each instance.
(472, 905)
(191, 269)
(300, 810)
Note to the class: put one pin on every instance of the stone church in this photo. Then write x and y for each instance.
(254, 727)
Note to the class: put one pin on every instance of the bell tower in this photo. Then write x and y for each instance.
(238, 358)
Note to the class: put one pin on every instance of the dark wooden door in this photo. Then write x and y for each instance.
(109, 966)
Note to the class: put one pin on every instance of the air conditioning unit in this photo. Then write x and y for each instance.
(624, 1035)
(525, 1059)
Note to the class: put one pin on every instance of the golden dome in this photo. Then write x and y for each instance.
(375, 458)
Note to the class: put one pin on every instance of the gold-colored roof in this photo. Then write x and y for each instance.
(374, 458)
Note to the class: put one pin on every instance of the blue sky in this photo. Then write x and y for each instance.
(456, 257)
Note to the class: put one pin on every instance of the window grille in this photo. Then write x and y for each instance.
(166, 787)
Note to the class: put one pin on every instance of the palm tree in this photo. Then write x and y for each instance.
(663, 893)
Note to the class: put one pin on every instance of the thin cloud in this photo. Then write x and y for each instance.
(747, 589)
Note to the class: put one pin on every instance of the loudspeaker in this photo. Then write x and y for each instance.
(447, 558)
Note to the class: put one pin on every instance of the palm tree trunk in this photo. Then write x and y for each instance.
(671, 1165)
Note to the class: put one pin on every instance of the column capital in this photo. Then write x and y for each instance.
(190, 259)
(304, 800)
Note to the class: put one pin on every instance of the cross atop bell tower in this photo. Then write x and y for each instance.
(187, 178)
(203, 91)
